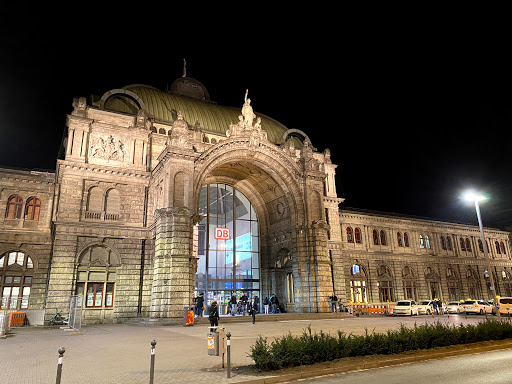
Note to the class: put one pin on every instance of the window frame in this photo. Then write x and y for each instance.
(18, 207)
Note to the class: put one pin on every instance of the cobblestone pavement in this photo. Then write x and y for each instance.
(120, 353)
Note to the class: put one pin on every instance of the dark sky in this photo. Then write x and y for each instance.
(411, 118)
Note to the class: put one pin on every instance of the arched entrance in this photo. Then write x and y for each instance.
(227, 245)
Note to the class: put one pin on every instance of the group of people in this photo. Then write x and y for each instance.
(242, 305)
(271, 305)
(336, 305)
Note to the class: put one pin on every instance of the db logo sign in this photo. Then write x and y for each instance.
(222, 233)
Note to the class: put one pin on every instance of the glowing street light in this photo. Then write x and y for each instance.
(476, 197)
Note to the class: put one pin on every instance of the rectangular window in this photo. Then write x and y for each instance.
(109, 295)
(94, 295)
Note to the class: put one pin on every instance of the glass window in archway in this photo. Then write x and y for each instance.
(228, 245)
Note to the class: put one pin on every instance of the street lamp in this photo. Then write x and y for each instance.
(475, 197)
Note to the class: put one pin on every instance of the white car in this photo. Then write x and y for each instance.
(425, 307)
(454, 307)
(405, 307)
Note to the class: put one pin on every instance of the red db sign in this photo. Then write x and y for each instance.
(222, 233)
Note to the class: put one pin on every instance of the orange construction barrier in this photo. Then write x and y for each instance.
(17, 319)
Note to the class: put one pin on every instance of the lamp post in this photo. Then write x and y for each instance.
(471, 196)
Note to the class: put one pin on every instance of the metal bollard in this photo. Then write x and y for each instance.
(59, 366)
(228, 352)
(152, 365)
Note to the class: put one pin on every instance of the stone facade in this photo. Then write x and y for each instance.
(116, 220)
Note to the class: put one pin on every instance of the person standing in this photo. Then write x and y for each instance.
(200, 305)
(251, 310)
(334, 302)
(273, 302)
(214, 315)
(232, 304)
(244, 299)
(265, 304)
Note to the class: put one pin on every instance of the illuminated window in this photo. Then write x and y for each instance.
(422, 244)
(15, 280)
(357, 233)
(350, 237)
(14, 207)
(32, 209)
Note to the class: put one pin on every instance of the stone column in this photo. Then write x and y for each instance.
(174, 265)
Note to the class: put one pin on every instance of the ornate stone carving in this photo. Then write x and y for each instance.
(108, 148)
(245, 128)
(180, 135)
(79, 105)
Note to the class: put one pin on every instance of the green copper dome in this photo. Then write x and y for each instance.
(191, 100)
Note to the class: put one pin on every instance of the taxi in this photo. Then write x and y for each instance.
(405, 307)
(477, 306)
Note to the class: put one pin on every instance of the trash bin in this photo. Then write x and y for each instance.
(213, 341)
(188, 316)
(4, 324)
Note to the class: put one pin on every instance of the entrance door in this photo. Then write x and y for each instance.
(227, 245)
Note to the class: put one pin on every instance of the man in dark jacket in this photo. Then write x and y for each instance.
(199, 305)
(214, 315)
(232, 304)
(244, 299)
(256, 302)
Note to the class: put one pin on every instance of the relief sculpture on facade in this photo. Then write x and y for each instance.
(108, 148)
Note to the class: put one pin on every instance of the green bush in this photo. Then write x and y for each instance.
(310, 348)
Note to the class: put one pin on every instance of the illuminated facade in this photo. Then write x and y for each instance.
(161, 195)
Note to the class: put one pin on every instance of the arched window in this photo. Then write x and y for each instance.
(443, 243)
(386, 292)
(502, 246)
(14, 207)
(427, 242)
(16, 271)
(481, 246)
(406, 239)
(409, 283)
(468, 245)
(399, 239)
(422, 243)
(498, 251)
(32, 209)
(162, 131)
(462, 244)
(357, 233)
(350, 237)
(383, 237)
(448, 243)
(375, 237)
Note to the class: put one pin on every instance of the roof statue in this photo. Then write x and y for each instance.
(184, 68)
(247, 112)
(245, 127)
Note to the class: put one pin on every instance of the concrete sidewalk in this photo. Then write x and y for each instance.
(120, 353)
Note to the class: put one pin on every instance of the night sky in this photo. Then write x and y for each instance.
(411, 119)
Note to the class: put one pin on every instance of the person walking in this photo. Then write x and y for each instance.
(256, 302)
(214, 315)
(251, 310)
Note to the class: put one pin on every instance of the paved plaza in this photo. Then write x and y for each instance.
(120, 353)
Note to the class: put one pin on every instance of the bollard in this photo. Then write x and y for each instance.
(228, 352)
(152, 365)
(59, 366)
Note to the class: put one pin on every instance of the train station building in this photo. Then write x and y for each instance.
(158, 196)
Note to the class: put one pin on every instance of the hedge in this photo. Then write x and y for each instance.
(310, 348)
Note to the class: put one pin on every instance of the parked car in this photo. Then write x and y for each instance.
(505, 304)
(405, 307)
(477, 306)
(455, 307)
(425, 307)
